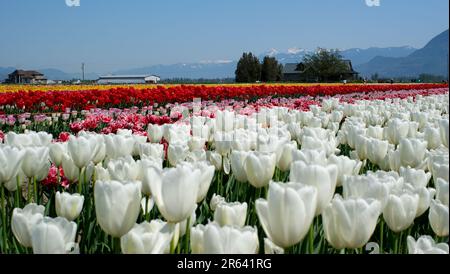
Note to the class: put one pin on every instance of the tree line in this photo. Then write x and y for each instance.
(322, 66)
(250, 70)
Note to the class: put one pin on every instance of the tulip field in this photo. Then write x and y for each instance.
(224, 169)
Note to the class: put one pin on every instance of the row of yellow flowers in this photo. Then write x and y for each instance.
(16, 88)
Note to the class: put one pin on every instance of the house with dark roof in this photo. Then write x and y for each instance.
(26, 77)
(293, 72)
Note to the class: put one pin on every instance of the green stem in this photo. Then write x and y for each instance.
(172, 245)
(30, 188)
(85, 179)
(381, 235)
(311, 239)
(5, 243)
(117, 248)
(80, 186)
(396, 243)
(18, 192)
(188, 232)
(35, 191)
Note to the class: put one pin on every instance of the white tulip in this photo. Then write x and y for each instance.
(117, 206)
(439, 218)
(101, 173)
(396, 130)
(350, 223)
(433, 137)
(206, 176)
(68, 205)
(376, 132)
(10, 161)
(177, 153)
(196, 143)
(213, 239)
(412, 152)
(54, 236)
(285, 160)
(442, 191)
(260, 168)
(150, 173)
(148, 238)
(151, 150)
(417, 177)
(232, 214)
(57, 151)
(324, 178)
(118, 145)
(361, 143)
(346, 167)
(376, 150)
(29, 139)
(443, 129)
(155, 133)
(215, 201)
(196, 156)
(81, 150)
(176, 192)
(310, 157)
(237, 160)
(71, 171)
(440, 171)
(366, 187)
(36, 162)
(24, 220)
(215, 159)
(287, 213)
(400, 210)
(124, 169)
(223, 142)
(426, 245)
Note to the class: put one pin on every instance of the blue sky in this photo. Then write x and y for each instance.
(114, 34)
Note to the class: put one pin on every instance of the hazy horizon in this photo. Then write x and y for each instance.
(114, 35)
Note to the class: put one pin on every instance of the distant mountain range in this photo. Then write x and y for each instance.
(432, 59)
(225, 69)
(387, 62)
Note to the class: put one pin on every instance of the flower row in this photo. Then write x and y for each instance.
(58, 101)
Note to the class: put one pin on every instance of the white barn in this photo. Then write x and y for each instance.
(128, 79)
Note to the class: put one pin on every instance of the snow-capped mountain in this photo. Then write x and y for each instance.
(213, 69)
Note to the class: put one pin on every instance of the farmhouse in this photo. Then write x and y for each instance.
(26, 77)
(128, 79)
(293, 72)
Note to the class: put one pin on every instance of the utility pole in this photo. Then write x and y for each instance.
(82, 70)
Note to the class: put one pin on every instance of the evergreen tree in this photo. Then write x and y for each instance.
(248, 69)
(270, 70)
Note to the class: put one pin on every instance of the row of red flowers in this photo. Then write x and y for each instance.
(58, 101)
